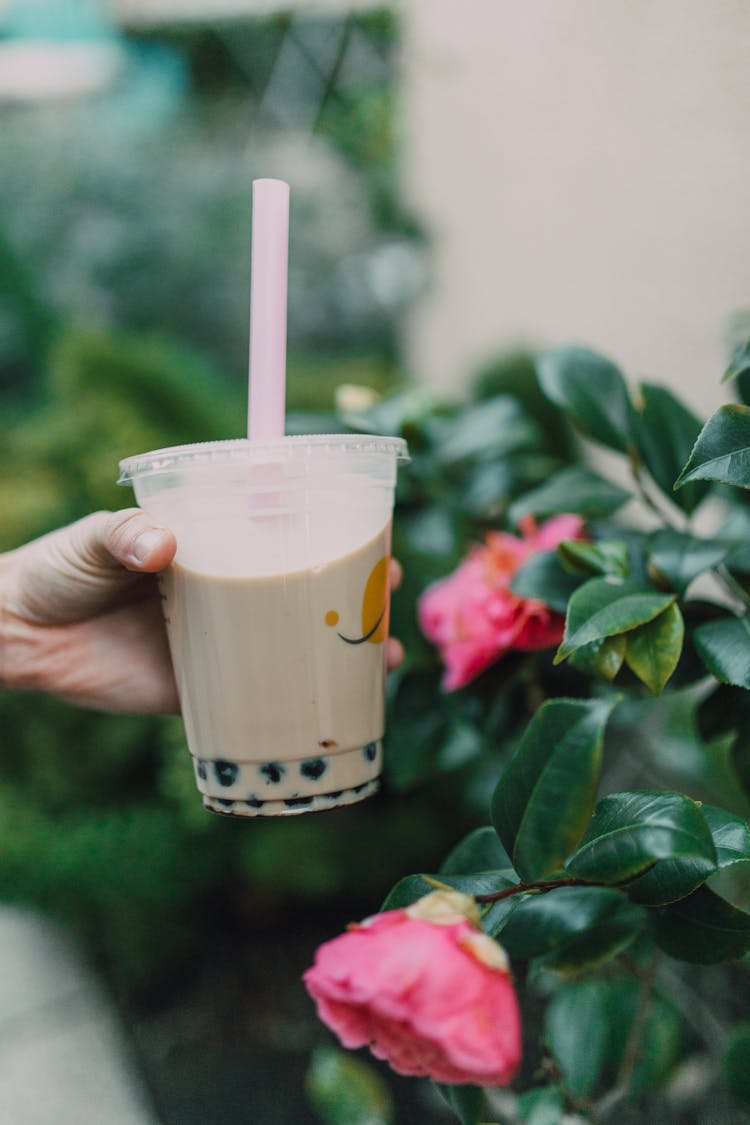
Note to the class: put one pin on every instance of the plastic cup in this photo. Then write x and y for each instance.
(276, 608)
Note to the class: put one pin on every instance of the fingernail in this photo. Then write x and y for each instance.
(146, 543)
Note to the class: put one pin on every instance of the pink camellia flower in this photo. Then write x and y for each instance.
(425, 989)
(474, 617)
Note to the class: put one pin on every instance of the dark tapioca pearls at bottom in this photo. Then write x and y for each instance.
(200, 769)
(254, 802)
(298, 802)
(226, 772)
(272, 772)
(313, 768)
(370, 751)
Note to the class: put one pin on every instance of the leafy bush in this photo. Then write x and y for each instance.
(614, 869)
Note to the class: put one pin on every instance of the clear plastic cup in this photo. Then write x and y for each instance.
(276, 608)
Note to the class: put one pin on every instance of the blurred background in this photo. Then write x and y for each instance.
(468, 184)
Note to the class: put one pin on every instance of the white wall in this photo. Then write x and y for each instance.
(583, 168)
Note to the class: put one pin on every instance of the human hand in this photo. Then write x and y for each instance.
(80, 615)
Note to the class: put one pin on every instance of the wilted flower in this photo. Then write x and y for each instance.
(425, 989)
(474, 617)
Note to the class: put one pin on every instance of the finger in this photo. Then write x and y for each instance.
(394, 653)
(396, 573)
(133, 539)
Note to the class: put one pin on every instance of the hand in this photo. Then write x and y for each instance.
(80, 615)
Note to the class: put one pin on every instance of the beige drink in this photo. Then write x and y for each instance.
(277, 612)
(282, 681)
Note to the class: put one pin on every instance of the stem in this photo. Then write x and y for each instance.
(538, 888)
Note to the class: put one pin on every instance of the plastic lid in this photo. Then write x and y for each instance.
(242, 450)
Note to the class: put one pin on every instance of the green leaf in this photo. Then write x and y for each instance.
(344, 1090)
(573, 490)
(702, 929)
(588, 1025)
(601, 658)
(724, 648)
(679, 558)
(544, 579)
(731, 836)
(653, 650)
(577, 1028)
(670, 880)
(631, 831)
(722, 451)
(544, 798)
(572, 927)
(493, 428)
(592, 392)
(413, 887)
(608, 556)
(467, 1102)
(605, 607)
(666, 432)
(481, 850)
(739, 363)
(543, 1106)
(737, 1064)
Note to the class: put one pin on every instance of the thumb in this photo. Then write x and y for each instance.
(77, 571)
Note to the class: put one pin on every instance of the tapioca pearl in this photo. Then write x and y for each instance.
(226, 773)
(225, 802)
(200, 769)
(370, 751)
(333, 796)
(313, 768)
(273, 772)
(298, 802)
(254, 802)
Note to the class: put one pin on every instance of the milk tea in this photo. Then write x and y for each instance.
(281, 680)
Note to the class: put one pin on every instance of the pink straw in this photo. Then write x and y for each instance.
(268, 283)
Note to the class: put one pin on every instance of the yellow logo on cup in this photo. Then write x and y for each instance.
(374, 606)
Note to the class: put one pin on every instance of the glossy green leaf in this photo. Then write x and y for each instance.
(722, 451)
(739, 363)
(545, 579)
(631, 831)
(481, 850)
(666, 432)
(676, 558)
(413, 887)
(737, 1064)
(605, 607)
(591, 391)
(601, 658)
(730, 834)
(544, 798)
(702, 929)
(607, 556)
(653, 650)
(572, 927)
(578, 1030)
(467, 1102)
(344, 1090)
(724, 648)
(573, 490)
(493, 428)
(670, 880)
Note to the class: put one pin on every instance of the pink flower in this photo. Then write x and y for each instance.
(474, 617)
(425, 989)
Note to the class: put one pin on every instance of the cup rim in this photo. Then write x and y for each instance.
(243, 450)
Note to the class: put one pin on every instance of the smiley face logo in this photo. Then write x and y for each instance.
(374, 607)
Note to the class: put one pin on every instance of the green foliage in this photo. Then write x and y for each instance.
(467, 1102)
(544, 798)
(344, 1090)
(737, 1064)
(591, 391)
(666, 432)
(723, 647)
(573, 490)
(722, 451)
